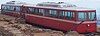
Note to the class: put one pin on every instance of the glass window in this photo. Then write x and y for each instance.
(3, 7)
(81, 16)
(53, 12)
(69, 15)
(91, 15)
(41, 11)
(8, 8)
(36, 10)
(17, 8)
(61, 14)
(31, 9)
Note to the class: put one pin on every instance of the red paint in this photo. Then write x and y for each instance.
(63, 24)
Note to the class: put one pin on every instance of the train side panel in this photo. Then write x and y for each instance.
(49, 23)
(61, 25)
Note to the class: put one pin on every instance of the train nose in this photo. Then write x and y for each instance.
(91, 27)
(81, 28)
(85, 28)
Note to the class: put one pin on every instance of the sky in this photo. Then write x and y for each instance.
(94, 4)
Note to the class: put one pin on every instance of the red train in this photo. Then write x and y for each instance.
(59, 16)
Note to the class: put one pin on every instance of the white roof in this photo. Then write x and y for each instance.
(63, 8)
(15, 3)
(59, 4)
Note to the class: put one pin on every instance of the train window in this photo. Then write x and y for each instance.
(10, 8)
(41, 11)
(52, 12)
(61, 14)
(46, 12)
(17, 8)
(81, 16)
(69, 15)
(31, 10)
(36, 11)
(3, 8)
(91, 15)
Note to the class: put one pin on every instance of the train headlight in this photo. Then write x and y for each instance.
(88, 25)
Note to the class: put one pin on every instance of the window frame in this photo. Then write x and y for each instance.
(91, 15)
(53, 13)
(41, 11)
(8, 8)
(84, 14)
(69, 15)
(62, 15)
(31, 10)
(18, 9)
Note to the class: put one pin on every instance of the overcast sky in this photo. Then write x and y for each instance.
(95, 4)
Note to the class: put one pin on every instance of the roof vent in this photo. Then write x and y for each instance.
(53, 4)
(16, 2)
(60, 2)
(12, 1)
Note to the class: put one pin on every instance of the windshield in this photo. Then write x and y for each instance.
(86, 16)
(92, 15)
(81, 16)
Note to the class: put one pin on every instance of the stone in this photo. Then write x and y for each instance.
(72, 33)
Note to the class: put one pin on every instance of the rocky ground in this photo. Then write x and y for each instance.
(10, 26)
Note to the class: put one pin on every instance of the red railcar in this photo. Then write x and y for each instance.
(13, 11)
(54, 15)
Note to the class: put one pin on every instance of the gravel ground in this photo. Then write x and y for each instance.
(5, 32)
(10, 26)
